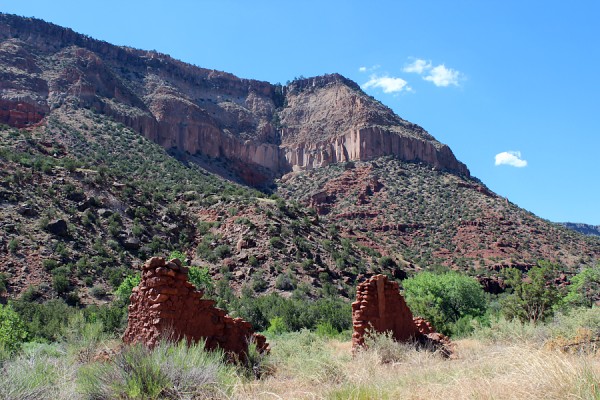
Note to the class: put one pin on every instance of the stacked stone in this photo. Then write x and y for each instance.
(423, 325)
(166, 306)
(380, 307)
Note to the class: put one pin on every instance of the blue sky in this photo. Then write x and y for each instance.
(518, 79)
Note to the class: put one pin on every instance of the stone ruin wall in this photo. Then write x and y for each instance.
(165, 304)
(379, 307)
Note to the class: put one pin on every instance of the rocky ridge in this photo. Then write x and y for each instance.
(256, 125)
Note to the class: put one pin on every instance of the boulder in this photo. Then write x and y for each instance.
(58, 227)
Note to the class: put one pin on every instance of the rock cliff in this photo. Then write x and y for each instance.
(262, 130)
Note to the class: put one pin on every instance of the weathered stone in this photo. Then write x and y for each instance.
(26, 210)
(58, 227)
(132, 243)
(380, 308)
(167, 304)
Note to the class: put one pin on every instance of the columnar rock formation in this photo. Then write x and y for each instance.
(380, 308)
(166, 305)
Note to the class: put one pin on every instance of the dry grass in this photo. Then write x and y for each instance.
(481, 371)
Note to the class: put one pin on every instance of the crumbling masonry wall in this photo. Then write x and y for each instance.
(380, 307)
(166, 304)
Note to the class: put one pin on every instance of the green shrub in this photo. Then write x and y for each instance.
(443, 299)
(326, 329)
(276, 242)
(175, 254)
(532, 299)
(200, 277)
(387, 262)
(123, 292)
(222, 251)
(3, 282)
(61, 283)
(50, 264)
(45, 321)
(98, 291)
(276, 326)
(167, 371)
(387, 349)
(12, 329)
(584, 288)
(286, 281)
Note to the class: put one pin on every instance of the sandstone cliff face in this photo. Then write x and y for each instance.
(263, 130)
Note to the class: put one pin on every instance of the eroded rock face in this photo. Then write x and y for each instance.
(263, 130)
(380, 308)
(166, 305)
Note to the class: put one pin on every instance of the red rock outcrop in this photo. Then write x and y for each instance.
(380, 308)
(259, 127)
(166, 305)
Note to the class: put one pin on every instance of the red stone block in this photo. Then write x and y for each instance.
(167, 303)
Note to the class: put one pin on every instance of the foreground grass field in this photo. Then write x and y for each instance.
(506, 360)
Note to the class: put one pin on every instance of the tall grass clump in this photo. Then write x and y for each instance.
(308, 357)
(386, 349)
(170, 370)
(40, 372)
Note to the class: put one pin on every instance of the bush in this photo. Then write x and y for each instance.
(200, 277)
(532, 299)
(444, 299)
(295, 313)
(276, 326)
(3, 282)
(98, 291)
(12, 329)
(286, 281)
(168, 371)
(123, 292)
(387, 349)
(44, 322)
(222, 251)
(276, 242)
(584, 288)
(60, 283)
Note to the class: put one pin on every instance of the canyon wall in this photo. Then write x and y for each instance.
(263, 130)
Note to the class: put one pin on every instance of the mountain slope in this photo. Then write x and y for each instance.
(124, 147)
(263, 130)
(427, 217)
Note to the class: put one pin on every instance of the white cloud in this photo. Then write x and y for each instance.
(418, 66)
(368, 69)
(438, 75)
(442, 76)
(512, 158)
(387, 83)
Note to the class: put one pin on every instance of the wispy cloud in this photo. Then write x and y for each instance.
(512, 158)
(369, 69)
(388, 84)
(418, 66)
(440, 75)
